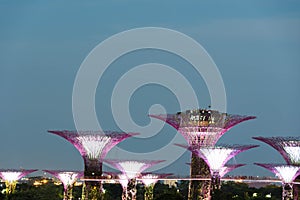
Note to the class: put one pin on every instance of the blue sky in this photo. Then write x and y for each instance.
(255, 44)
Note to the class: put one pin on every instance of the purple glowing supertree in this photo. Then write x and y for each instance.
(11, 176)
(93, 147)
(201, 127)
(287, 174)
(216, 157)
(131, 170)
(288, 147)
(68, 178)
(149, 181)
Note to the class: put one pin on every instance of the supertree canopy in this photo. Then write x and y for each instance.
(68, 178)
(288, 147)
(11, 176)
(216, 157)
(149, 181)
(93, 147)
(287, 174)
(201, 127)
(131, 169)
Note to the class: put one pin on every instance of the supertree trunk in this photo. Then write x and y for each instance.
(131, 189)
(296, 189)
(68, 193)
(215, 182)
(149, 192)
(199, 190)
(287, 191)
(92, 190)
(10, 187)
(124, 193)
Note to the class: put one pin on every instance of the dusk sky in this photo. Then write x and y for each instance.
(255, 45)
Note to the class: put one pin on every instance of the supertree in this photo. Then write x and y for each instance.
(93, 147)
(201, 127)
(287, 174)
(131, 170)
(216, 157)
(11, 176)
(68, 178)
(288, 147)
(149, 181)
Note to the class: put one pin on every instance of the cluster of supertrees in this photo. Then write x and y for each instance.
(289, 148)
(202, 128)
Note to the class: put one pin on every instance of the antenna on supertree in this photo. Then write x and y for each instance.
(131, 169)
(149, 181)
(288, 147)
(202, 127)
(93, 147)
(11, 176)
(68, 178)
(287, 174)
(216, 157)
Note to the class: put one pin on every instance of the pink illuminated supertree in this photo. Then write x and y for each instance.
(288, 147)
(11, 176)
(149, 181)
(201, 127)
(68, 178)
(287, 174)
(216, 157)
(131, 169)
(93, 147)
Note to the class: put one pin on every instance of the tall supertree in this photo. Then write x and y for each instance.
(216, 157)
(68, 178)
(131, 169)
(11, 176)
(93, 147)
(149, 181)
(289, 148)
(287, 174)
(201, 127)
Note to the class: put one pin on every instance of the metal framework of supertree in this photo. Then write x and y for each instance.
(288, 147)
(131, 170)
(93, 147)
(287, 173)
(149, 181)
(68, 178)
(201, 127)
(11, 176)
(216, 157)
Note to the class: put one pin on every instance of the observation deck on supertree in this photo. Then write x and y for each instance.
(131, 170)
(149, 181)
(216, 157)
(68, 178)
(11, 176)
(201, 127)
(288, 147)
(93, 147)
(287, 174)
